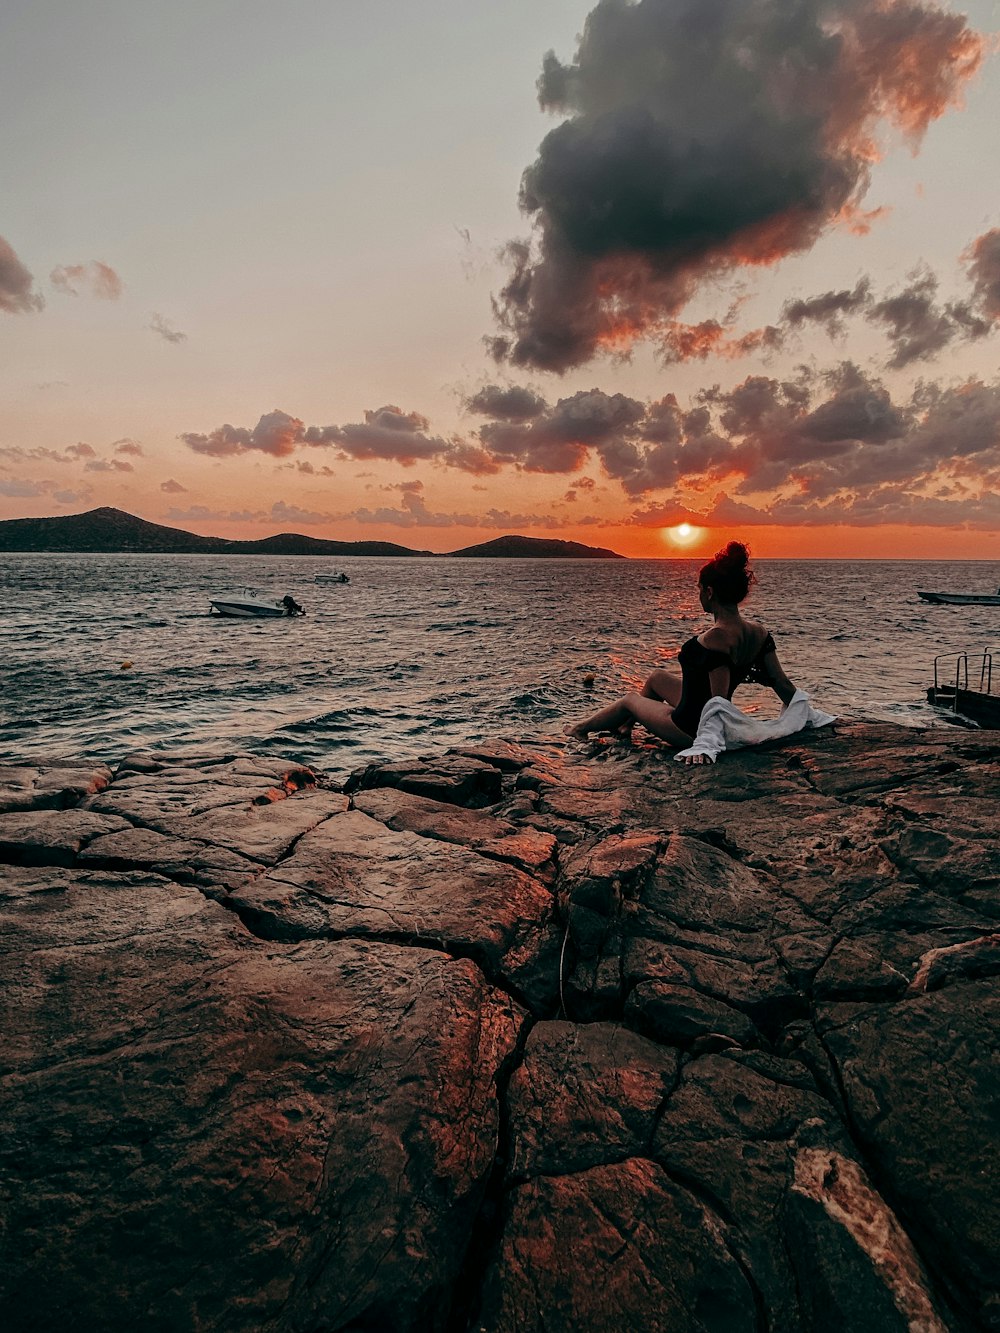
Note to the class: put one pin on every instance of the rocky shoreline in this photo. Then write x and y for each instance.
(526, 1036)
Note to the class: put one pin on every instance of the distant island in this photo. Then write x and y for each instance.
(112, 531)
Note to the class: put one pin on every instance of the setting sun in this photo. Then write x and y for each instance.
(684, 534)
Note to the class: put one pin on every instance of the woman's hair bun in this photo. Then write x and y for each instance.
(734, 554)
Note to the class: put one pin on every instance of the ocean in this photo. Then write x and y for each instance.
(417, 654)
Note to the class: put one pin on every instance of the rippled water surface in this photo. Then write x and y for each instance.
(417, 654)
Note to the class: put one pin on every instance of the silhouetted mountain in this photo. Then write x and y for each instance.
(103, 529)
(545, 548)
(112, 530)
(294, 543)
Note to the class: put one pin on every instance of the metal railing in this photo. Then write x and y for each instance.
(961, 674)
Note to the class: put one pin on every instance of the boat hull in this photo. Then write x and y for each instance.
(245, 611)
(983, 709)
(960, 598)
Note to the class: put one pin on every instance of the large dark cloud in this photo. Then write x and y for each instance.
(701, 135)
(17, 296)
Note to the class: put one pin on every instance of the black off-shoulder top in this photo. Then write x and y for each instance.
(696, 662)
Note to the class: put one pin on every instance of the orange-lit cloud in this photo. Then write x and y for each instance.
(93, 279)
(699, 138)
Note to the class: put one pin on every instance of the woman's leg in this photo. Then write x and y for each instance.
(607, 719)
(654, 715)
(665, 685)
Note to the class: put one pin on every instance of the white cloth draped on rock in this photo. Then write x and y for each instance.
(723, 726)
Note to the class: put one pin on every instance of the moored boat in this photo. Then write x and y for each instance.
(961, 598)
(250, 605)
(335, 577)
(964, 686)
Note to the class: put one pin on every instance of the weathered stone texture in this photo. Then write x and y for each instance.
(533, 1035)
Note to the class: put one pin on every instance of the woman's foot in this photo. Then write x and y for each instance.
(576, 733)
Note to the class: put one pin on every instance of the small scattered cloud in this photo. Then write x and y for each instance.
(26, 488)
(129, 447)
(70, 454)
(92, 279)
(21, 488)
(166, 330)
(17, 294)
(171, 487)
(108, 465)
(829, 308)
(983, 258)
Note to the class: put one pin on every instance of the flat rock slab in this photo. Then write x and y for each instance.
(453, 778)
(256, 811)
(54, 786)
(53, 837)
(494, 837)
(179, 1094)
(354, 877)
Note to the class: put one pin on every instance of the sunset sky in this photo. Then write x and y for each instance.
(645, 275)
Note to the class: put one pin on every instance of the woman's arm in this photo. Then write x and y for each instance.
(718, 681)
(777, 679)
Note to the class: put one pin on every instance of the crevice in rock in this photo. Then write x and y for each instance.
(257, 926)
(486, 1232)
(725, 1224)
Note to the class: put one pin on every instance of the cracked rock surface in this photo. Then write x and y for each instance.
(529, 1036)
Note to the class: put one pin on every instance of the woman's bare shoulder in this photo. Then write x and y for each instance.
(716, 637)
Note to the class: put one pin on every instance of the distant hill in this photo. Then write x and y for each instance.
(113, 531)
(545, 548)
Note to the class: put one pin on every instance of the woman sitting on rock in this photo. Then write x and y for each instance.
(713, 663)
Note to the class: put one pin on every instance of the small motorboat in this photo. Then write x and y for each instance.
(333, 577)
(964, 686)
(961, 598)
(250, 605)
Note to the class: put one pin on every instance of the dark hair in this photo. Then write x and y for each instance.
(728, 573)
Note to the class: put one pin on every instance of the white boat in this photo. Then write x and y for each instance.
(249, 604)
(333, 577)
(961, 598)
